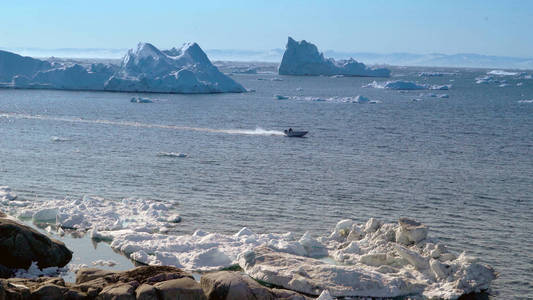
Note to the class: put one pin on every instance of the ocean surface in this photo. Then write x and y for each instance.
(463, 165)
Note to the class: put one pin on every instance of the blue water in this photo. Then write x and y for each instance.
(462, 165)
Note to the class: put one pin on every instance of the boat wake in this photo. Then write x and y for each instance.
(257, 131)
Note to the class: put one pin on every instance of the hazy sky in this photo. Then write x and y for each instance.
(485, 26)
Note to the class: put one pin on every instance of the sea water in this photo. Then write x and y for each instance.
(462, 164)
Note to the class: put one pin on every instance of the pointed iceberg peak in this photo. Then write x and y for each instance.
(147, 50)
(194, 51)
(303, 58)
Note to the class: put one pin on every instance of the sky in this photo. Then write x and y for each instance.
(486, 27)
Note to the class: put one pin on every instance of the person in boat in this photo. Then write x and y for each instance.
(290, 129)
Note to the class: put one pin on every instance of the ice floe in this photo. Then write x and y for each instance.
(519, 101)
(172, 154)
(303, 58)
(59, 139)
(405, 85)
(101, 262)
(6, 194)
(502, 73)
(336, 99)
(140, 100)
(95, 212)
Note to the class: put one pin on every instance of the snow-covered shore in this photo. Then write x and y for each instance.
(371, 259)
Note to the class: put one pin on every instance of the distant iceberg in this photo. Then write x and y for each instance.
(303, 58)
(405, 85)
(145, 69)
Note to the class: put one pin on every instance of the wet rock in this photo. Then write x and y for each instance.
(20, 245)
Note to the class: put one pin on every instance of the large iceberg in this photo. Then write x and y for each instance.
(303, 58)
(145, 69)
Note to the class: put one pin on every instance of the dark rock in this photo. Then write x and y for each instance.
(20, 245)
(49, 292)
(225, 285)
(146, 292)
(180, 289)
(119, 291)
(5, 272)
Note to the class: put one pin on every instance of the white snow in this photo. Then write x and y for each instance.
(303, 58)
(146, 69)
(6, 194)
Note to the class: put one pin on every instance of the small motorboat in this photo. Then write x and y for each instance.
(294, 133)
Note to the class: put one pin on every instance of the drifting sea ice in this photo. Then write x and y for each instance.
(405, 85)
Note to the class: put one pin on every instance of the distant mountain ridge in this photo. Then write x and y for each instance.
(467, 60)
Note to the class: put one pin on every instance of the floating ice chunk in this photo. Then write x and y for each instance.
(303, 58)
(107, 263)
(141, 100)
(47, 215)
(430, 74)
(280, 97)
(525, 101)
(504, 85)
(59, 139)
(6, 194)
(172, 154)
(397, 85)
(519, 83)
(501, 73)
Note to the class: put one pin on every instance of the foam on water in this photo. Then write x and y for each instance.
(257, 131)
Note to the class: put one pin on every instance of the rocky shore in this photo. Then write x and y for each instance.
(147, 283)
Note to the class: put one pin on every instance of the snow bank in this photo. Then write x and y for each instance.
(303, 58)
(146, 69)
(405, 85)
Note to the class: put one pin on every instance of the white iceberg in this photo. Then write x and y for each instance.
(146, 69)
(303, 58)
(184, 70)
(406, 85)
